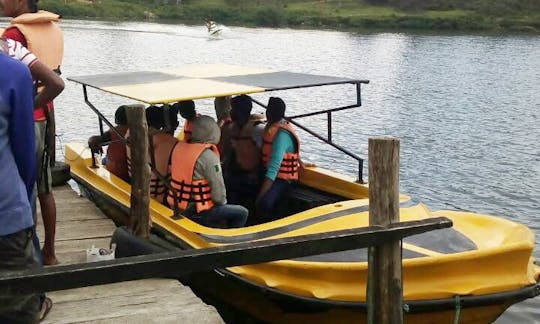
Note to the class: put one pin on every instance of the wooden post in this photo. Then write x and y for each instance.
(384, 287)
(139, 220)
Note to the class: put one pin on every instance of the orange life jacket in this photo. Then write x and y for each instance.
(187, 189)
(162, 145)
(248, 155)
(117, 154)
(291, 161)
(43, 36)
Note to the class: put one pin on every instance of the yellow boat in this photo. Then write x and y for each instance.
(468, 274)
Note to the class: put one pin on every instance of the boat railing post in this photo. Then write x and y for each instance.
(139, 220)
(329, 122)
(384, 286)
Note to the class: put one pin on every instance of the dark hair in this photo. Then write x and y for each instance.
(275, 110)
(120, 117)
(154, 117)
(172, 118)
(186, 109)
(241, 109)
(32, 5)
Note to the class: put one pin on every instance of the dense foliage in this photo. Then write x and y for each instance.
(517, 15)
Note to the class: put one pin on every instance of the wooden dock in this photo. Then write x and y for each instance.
(80, 225)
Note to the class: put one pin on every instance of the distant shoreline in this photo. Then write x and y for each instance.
(345, 15)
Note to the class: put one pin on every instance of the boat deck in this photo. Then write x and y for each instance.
(79, 226)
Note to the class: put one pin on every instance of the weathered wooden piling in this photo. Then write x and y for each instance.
(139, 220)
(384, 288)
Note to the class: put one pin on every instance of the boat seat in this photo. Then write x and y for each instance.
(303, 198)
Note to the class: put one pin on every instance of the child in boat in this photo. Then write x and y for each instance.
(188, 112)
(116, 159)
(196, 177)
(281, 160)
(242, 143)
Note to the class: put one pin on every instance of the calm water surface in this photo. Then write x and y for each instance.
(466, 108)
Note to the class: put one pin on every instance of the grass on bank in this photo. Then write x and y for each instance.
(506, 15)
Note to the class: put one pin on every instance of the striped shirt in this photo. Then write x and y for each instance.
(17, 51)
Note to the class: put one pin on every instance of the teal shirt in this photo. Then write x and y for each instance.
(283, 143)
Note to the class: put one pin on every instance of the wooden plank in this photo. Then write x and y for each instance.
(139, 214)
(384, 288)
(161, 300)
(175, 263)
(81, 230)
(79, 226)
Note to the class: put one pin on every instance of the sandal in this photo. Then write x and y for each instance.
(45, 308)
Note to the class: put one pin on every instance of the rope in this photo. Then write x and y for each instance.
(64, 153)
(458, 310)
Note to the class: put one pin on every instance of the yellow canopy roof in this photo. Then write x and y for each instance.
(201, 81)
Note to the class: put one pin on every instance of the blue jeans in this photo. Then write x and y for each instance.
(220, 216)
(268, 205)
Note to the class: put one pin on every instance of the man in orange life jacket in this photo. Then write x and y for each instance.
(186, 109)
(281, 159)
(38, 31)
(116, 160)
(242, 143)
(199, 190)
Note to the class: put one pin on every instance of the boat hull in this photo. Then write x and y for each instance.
(238, 299)
(232, 289)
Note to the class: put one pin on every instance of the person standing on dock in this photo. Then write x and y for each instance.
(39, 32)
(281, 160)
(17, 179)
(198, 189)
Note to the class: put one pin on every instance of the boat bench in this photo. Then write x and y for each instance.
(303, 198)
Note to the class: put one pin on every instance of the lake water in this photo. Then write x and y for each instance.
(466, 108)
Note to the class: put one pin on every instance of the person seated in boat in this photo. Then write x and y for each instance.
(154, 121)
(222, 105)
(197, 186)
(186, 109)
(242, 143)
(280, 158)
(116, 159)
(162, 124)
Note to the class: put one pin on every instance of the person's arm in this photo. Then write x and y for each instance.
(21, 130)
(52, 84)
(211, 169)
(282, 143)
(95, 142)
(258, 133)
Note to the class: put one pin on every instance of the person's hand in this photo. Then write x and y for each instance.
(95, 145)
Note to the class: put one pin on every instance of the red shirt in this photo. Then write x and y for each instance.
(15, 34)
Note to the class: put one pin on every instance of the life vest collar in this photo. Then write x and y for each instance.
(41, 16)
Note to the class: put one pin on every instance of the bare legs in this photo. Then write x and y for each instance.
(48, 213)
